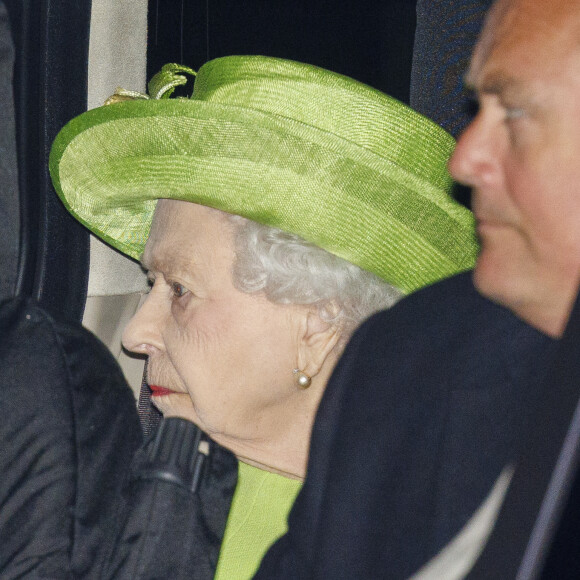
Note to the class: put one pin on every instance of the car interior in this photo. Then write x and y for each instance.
(59, 58)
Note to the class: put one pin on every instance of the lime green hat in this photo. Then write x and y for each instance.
(286, 144)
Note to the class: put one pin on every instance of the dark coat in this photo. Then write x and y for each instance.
(68, 432)
(425, 408)
(423, 411)
(78, 497)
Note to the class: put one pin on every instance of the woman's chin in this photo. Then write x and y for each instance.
(175, 405)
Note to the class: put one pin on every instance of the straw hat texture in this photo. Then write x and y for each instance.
(286, 144)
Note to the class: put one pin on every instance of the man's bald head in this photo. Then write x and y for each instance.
(521, 156)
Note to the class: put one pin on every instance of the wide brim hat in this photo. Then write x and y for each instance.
(283, 143)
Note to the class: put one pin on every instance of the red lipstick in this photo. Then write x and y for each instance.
(157, 391)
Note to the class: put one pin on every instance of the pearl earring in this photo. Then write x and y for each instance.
(302, 379)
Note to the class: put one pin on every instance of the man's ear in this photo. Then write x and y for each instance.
(318, 342)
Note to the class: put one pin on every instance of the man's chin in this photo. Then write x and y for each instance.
(499, 280)
(489, 280)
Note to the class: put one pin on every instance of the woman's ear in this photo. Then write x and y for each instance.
(318, 342)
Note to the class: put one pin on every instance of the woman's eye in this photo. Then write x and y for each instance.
(178, 289)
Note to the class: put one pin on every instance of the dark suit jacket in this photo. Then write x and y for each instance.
(425, 408)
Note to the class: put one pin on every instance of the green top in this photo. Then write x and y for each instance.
(257, 519)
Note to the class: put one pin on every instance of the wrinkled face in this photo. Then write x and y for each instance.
(521, 156)
(227, 356)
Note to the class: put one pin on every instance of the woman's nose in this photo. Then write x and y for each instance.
(143, 334)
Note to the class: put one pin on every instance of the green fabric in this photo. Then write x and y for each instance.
(286, 144)
(257, 518)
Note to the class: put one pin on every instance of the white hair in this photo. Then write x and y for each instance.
(290, 270)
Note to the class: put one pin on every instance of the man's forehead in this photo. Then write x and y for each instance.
(518, 34)
(489, 38)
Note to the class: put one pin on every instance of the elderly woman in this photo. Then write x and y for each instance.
(273, 210)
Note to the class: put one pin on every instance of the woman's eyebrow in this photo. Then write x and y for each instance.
(167, 264)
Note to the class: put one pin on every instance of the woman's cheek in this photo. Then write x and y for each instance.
(176, 405)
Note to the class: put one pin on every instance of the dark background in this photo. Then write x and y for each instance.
(369, 40)
(43, 59)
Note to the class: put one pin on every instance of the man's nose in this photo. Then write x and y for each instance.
(475, 161)
(143, 333)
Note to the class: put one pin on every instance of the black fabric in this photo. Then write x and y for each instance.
(51, 40)
(9, 202)
(78, 497)
(69, 430)
(423, 411)
(149, 415)
(369, 40)
(168, 529)
(444, 39)
(522, 536)
(563, 557)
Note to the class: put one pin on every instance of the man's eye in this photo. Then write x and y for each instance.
(513, 113)
(178, 289)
